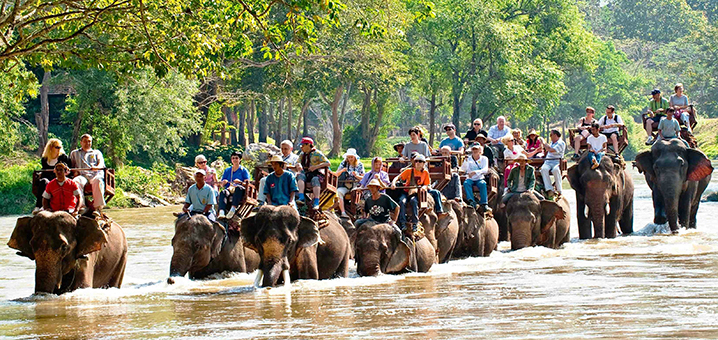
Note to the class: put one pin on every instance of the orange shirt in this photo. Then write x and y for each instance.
(422, 177)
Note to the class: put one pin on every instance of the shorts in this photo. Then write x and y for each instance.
(313, 178)
(585, 133)
(609, 134)
(343, 191)
(657, 118)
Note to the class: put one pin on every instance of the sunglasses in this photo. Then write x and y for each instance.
(419, 161)
(202, 162)
(58, 147)
(477, 124)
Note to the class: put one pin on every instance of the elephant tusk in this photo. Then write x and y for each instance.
(585, 210)
(608, 209)
(285, 275)
(258, 279)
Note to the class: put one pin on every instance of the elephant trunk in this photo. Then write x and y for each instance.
(670, 204)
(521, 234)
(181, 261)
(597, 214)
(48, 272)
(272, 270)
(369, 265)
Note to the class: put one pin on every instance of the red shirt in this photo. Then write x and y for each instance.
(62, 197)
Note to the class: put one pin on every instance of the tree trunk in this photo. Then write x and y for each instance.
(242, 139)
(76, 129)
(289, 117)
(231, 116)
(302, 120)
(432, 118)
(456, 89)
(262, 122)
(280, 118)
(344, 103)
(365, 119)
(380, 106)
(474, 113)
(336, 126)
(42, 118)
(202, 100)
(252, 115)
(305, 127)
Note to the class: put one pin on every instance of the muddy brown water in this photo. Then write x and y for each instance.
(649, 285)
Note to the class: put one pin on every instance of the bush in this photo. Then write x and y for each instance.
(120, 200)
(142, 181)
(16, 189)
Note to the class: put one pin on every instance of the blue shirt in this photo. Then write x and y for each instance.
(200, 198)
(279, 188)
(241, 174)
(454, 143)
(495, 133)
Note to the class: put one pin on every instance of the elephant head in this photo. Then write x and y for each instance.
(56, 241)
(594, 189)
(529, 218)
(378, 249)
(668, 167)
(276, 233)
(196, 242)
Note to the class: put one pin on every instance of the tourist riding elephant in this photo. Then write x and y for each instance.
(379, 249)
(607, 191)
(71, 253)
(533, 222)
(441, 232)
(294, 247)
(677, 176)
(478, 234)
(202, 248)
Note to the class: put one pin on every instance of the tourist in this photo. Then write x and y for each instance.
(91, 164)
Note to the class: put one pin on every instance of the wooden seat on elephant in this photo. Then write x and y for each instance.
(249, 202)
(492, 186)
(439, 171)
(328, 189)
(259, 172)
(392, 170)
(353, 198)
(87, 190)
(693, 115)
(622, 140)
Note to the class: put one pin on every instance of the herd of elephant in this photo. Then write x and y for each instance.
(283, 246)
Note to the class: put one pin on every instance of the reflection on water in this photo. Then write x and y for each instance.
(630, 287)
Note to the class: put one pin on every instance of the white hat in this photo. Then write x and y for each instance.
(351, 152)
(419, 158)
(200, 171)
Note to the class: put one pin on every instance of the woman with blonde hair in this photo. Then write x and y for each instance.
(51, 155)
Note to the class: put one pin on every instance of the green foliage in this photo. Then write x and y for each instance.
(16, 87)
(16, 188)
(120, 200)
(144, 181)
(659, 21)
(138, 113)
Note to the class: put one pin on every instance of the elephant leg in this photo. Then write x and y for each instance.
(584, 224)
(116, 280)
(658, 208)
(684, 206)
(307, 266)
(611, 219)
(343, 270)
(694, 211)
(626, 221)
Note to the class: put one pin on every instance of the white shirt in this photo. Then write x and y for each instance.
(509, 154)
(291, 159)
(481, 165)
(607, 121)
(596, 143)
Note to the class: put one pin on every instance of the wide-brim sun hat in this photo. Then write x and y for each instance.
(533, 132)
(521, 158)
(351, 152)
(397, 145)
(276, 159)
(375, 182)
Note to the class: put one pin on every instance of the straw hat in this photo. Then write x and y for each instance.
(533, 132)
(375, 182)
(276, 159)
(397, 145)
(522, 158)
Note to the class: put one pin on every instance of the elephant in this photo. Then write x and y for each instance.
(71, 253)
(202, 248)
(533, 222)
(441, 232)
(607, 191)
(379, 249)
(677, 176)
(294, 247)
(478, 233)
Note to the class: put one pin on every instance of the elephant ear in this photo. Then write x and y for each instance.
(21, 236)
(699, 167)
(644, 163)
(400, 258)
(550, 212)
(574, 178)
(249, 230)
(89, 236)
(219, 235)
(308, 233)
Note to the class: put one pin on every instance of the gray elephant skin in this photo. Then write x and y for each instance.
(202, 248)
(71, 253)
(478, 233)
(286, 241)
(533, 222)
(379, 249)
(677, 176)
(607, 191)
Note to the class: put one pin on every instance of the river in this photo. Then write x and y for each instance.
(650, 285)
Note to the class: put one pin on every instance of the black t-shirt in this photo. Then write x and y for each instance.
(471, 134)
(489, 153)
(381, 209)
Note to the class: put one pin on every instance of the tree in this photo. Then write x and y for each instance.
(16, 87)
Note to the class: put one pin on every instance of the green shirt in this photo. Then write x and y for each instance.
(529, 178)
(655, 106)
